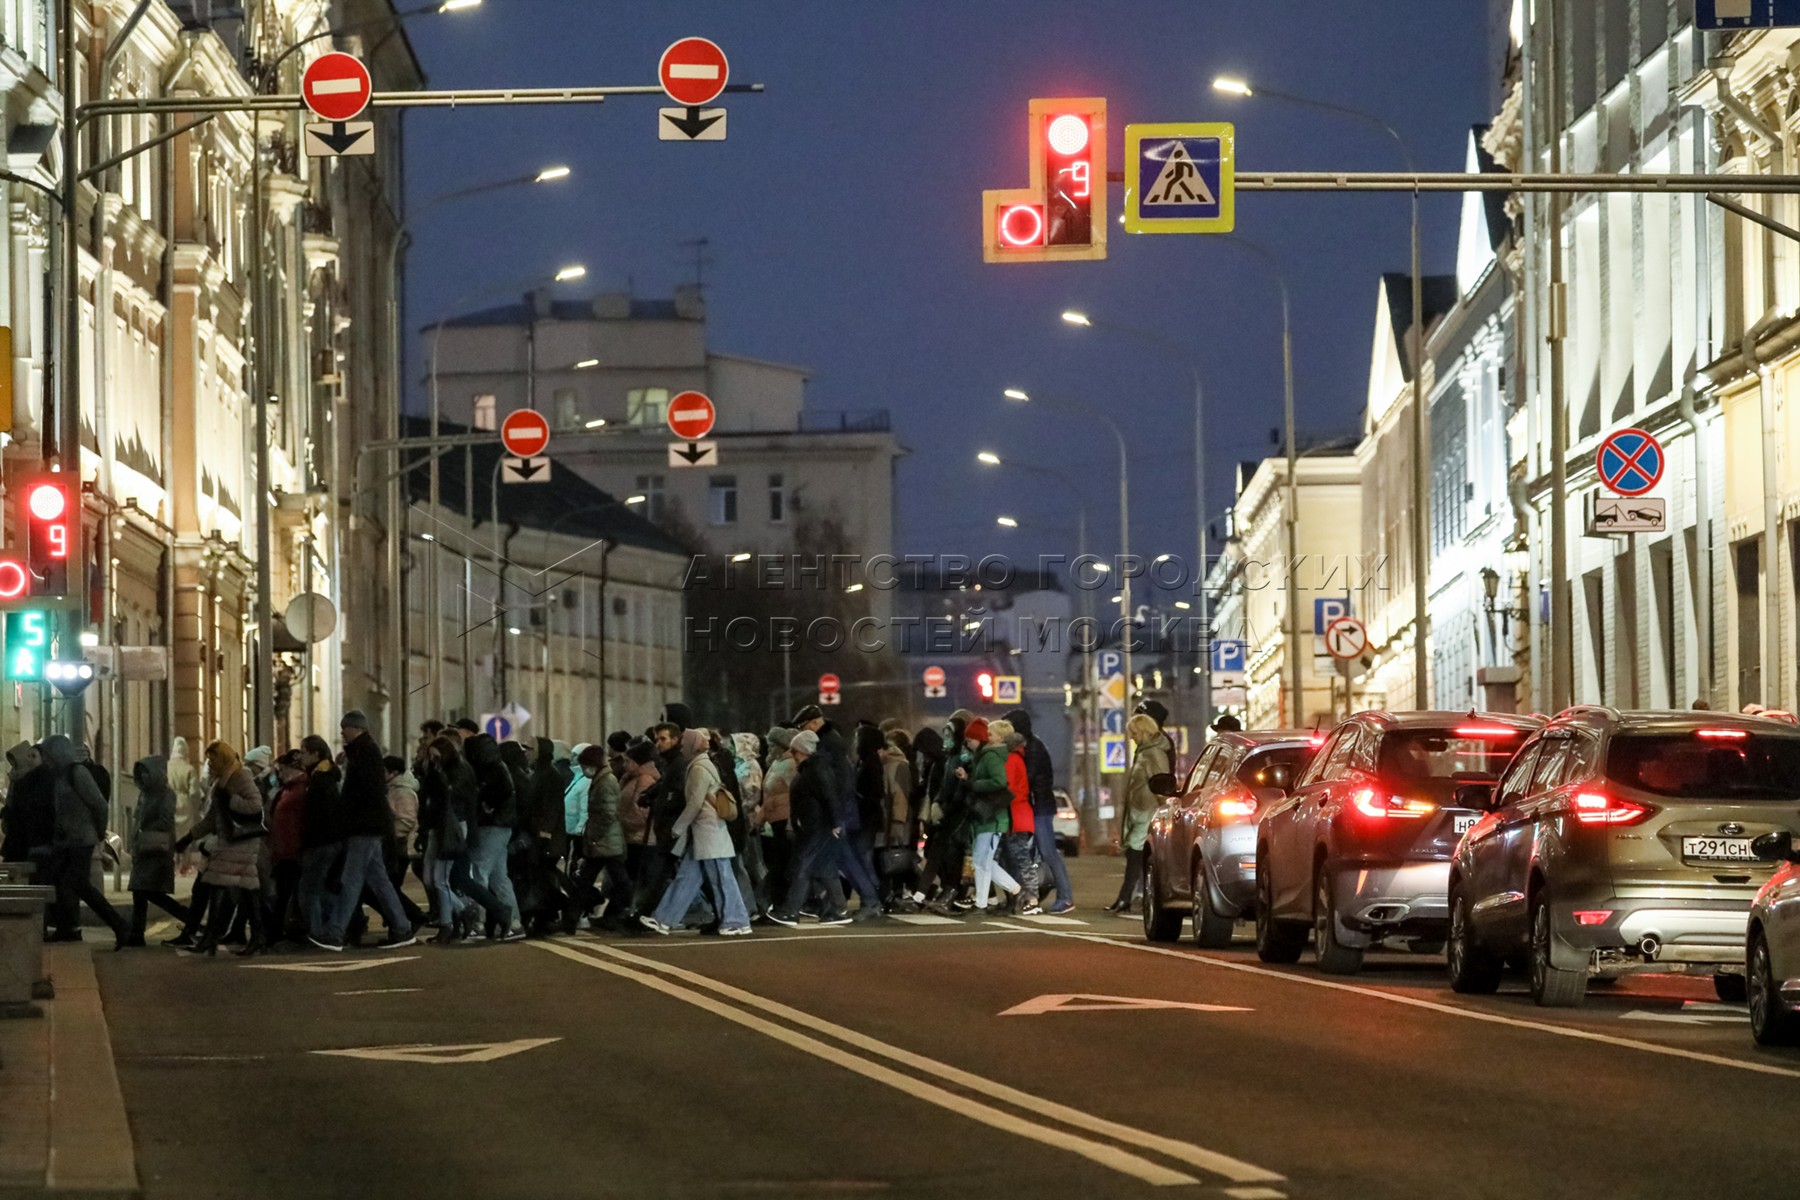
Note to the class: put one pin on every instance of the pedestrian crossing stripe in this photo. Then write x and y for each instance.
(925, 919)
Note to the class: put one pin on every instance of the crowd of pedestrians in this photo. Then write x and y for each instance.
(678, 826)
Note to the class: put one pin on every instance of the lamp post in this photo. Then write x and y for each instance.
(1421, 545)
(1172, 350)
(1019, 396)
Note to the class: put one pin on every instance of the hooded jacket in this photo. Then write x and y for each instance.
(987, 784)
(235, 860)
(403, 804)
(512, 757)
(635, 787)
(153, 828)
(1018, 782)
(184, 782)
(602, 834)
(30, 813)
(324, 821)
(549, 781)
(1040, 771)
(669, 797)
(80, 808)
(497, 805)
(698, 828)
(575, 792)
(836, 753)
(366, 812)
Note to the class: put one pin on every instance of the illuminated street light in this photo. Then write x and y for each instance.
(587, 364)
(638, 499)
(1076, 318)
(1232, 86)
(855, 587)
(552, 173)
(596, 423)
(988, 458)
(1006, 522)
(1015, 394)
(573, 271)
(458, 5)
(741, 556)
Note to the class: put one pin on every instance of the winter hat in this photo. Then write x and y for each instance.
(467, 725)
(591, 758)
(781, 737)
(809, 713)
(641, 751)
(258, 756)
(1021, 721)
(618, 741)
(977, 730)
(804, 742)
(1156, 710)
(677, 713)
(354, 719)
(963, 715)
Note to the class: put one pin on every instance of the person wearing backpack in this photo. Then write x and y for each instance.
(703, 844)
(990, 802)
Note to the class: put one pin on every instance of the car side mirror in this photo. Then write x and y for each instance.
(1775, 847)
(1164, 785)
(1484, 796)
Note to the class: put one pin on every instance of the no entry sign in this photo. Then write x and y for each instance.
(525, 434)
(830, 683)
(1630, 462)
(336, 86)
(694, 71)
(934, 677)
(691, 416)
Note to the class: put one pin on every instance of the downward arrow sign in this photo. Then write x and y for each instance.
(340, 139)
(693, 453)
(527, 468)
(693, 124)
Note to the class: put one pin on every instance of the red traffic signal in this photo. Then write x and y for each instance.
(51, 514)
(984, 684)
(1062, 215)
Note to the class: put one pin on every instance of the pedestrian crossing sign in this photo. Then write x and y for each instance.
(1180, 178)
(1008, 689)
(1112, 754)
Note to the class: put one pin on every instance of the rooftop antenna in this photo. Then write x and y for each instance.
(702, 259)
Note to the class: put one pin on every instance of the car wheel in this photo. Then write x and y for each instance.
(1551, 986)
(1212, 929)
(1276, 941)
(1160, 924)
(1473, 970)
(1334, 957)
(1732, 989)
(1772, 1022)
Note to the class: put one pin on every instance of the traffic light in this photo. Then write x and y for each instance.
(27, 645)
(1062, 215)
(984, 684)
(71, 676)
(52, 512)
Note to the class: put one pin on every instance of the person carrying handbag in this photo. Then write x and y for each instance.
(235, 819)
(703, 845)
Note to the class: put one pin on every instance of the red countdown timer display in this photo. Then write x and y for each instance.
(50, 534)
(1062, 215)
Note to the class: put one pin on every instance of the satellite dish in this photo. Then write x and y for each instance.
(310, 617)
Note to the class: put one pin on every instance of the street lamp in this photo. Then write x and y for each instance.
(1490, 586)
(1421, 545)
(1020, 396)
(1007, 522)
(1171, 349)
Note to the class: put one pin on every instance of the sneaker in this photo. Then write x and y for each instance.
(1031, 910)
(738, 931)
(869, 914)
(806, 915)
(781, 918)
(326, 944)
(396, 939)
(655, 926)
(962, 904)
(836, 918)
(1060, 907)
(513, 935)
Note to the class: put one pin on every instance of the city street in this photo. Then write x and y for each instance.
(895, 1061)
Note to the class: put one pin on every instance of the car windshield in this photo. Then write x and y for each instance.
(1442, 755)
(1708, 764)
(1275, 768)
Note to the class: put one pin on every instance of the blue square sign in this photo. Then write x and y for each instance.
(1229, 656)
(1726, 15)
(1180, 178)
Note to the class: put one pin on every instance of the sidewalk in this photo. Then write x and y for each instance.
(63, 1130)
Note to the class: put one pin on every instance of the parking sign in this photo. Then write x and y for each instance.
(1228, 657)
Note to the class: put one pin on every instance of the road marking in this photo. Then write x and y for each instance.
(468, 1052)
(330, 968)
(1087, 1002)
(377, 992)
(1212, 1161)
(1050, 919)
(1255, 1193)
(1605, 1039)
(1740, 1017)
(839, 935)
(925, 919)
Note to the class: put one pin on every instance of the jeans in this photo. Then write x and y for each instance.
(1021, 856)
(719, 876)
(438, 872)
(815, 859)
(1044, 829)
(364, 866)
(854, 862)
(315, 869)
(487, 872)
(987, 871)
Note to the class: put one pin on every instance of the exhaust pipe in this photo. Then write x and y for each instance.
(1649, 946)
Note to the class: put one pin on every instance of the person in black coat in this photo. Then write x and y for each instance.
(666, 798)
(29, 817)
(543, 887)
(947, 822)
(153, 847)
(811, 805)
(497, 813)
(368, 824)
(1040, 772)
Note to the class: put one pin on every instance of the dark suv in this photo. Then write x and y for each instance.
(1361, 850)
(1621, 842)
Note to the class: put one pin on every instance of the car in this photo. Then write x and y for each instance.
(1360, 851)
(1772, 946)
(1067, 825)
(1620, 842)
(1200, 857)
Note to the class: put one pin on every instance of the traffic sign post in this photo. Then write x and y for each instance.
(1180, 178)
(693, 72)
(693, 454)
(1008, 689)
(690, 417)
(525, 434)
(934, 683)
(1630, 462)
(340, 139)
(337, 88)
(524, 470)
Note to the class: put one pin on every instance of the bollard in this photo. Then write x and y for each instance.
(22, 949)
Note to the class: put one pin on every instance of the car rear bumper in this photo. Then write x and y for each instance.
(1659, 931)
(1375, 901)
(1231, 866)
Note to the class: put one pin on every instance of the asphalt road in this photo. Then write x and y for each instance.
(886, 1061)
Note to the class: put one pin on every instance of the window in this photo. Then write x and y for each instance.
(777, 499)
(1315, 770)
(1514, 785)
(484, 415)
(1274, 768)
(566, 404)
(647, 406)
(1708, 764)
(1197, 772)
(650, 487)
(721, 499)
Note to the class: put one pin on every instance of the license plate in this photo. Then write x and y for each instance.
(1464, 822)
(1723, 849)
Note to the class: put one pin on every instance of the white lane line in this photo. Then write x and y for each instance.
(1050, 919)
(377, 992)
(838, 935)
(1107, 1156)
(1717, 1060)
(1255, 1193)
(1233, 1169)
(925, 919)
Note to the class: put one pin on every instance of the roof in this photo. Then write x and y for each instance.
(564, 310)
(1682, 720)
(1256, 738)
(1433, 719)
(1439, 297)
(568, 504)
(1493, 204)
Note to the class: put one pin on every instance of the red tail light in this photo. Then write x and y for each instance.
(1486, 731)
(1371, 803)
(1234, 806)
(1592, 916)
(1598, 808)
(1732, 734)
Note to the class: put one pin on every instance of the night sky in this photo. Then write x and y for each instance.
(843, 216)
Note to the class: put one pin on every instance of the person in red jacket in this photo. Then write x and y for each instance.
(1020, 845)
(287, 821)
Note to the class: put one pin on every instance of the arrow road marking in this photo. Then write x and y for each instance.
(470, 1052)
(1083, 1002)
(330, 968)
(1693, 1014)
